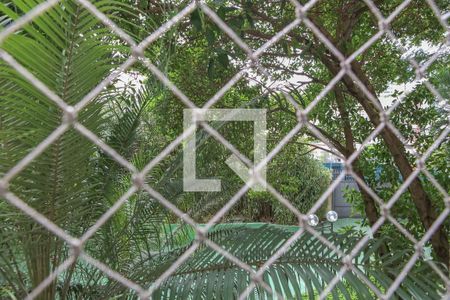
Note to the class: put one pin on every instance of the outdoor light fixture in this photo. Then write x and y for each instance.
(332, 216)
(313, 220)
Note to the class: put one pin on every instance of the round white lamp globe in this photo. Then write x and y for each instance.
(313, 220)
(332, 216)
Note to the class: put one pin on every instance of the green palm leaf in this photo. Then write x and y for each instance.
(302, 272)
(62, 49)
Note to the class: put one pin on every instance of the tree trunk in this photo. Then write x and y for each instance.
(427, 213)
(369, 203)
(370, 207)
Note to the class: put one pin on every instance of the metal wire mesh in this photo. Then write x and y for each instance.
(70, 121)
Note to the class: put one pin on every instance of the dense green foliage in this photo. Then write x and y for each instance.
(343, 116)
(73, 182)
(301, 272)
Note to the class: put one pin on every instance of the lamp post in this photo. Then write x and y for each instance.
(332, 217)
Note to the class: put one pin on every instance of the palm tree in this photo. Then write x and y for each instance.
(303, 271)
(73, 183)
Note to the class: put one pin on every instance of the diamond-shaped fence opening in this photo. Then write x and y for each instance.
(84, 186)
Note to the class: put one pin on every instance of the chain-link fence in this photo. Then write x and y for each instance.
(345, 71)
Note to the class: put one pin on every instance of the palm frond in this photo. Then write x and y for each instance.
(303, 271)
(63, 49)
